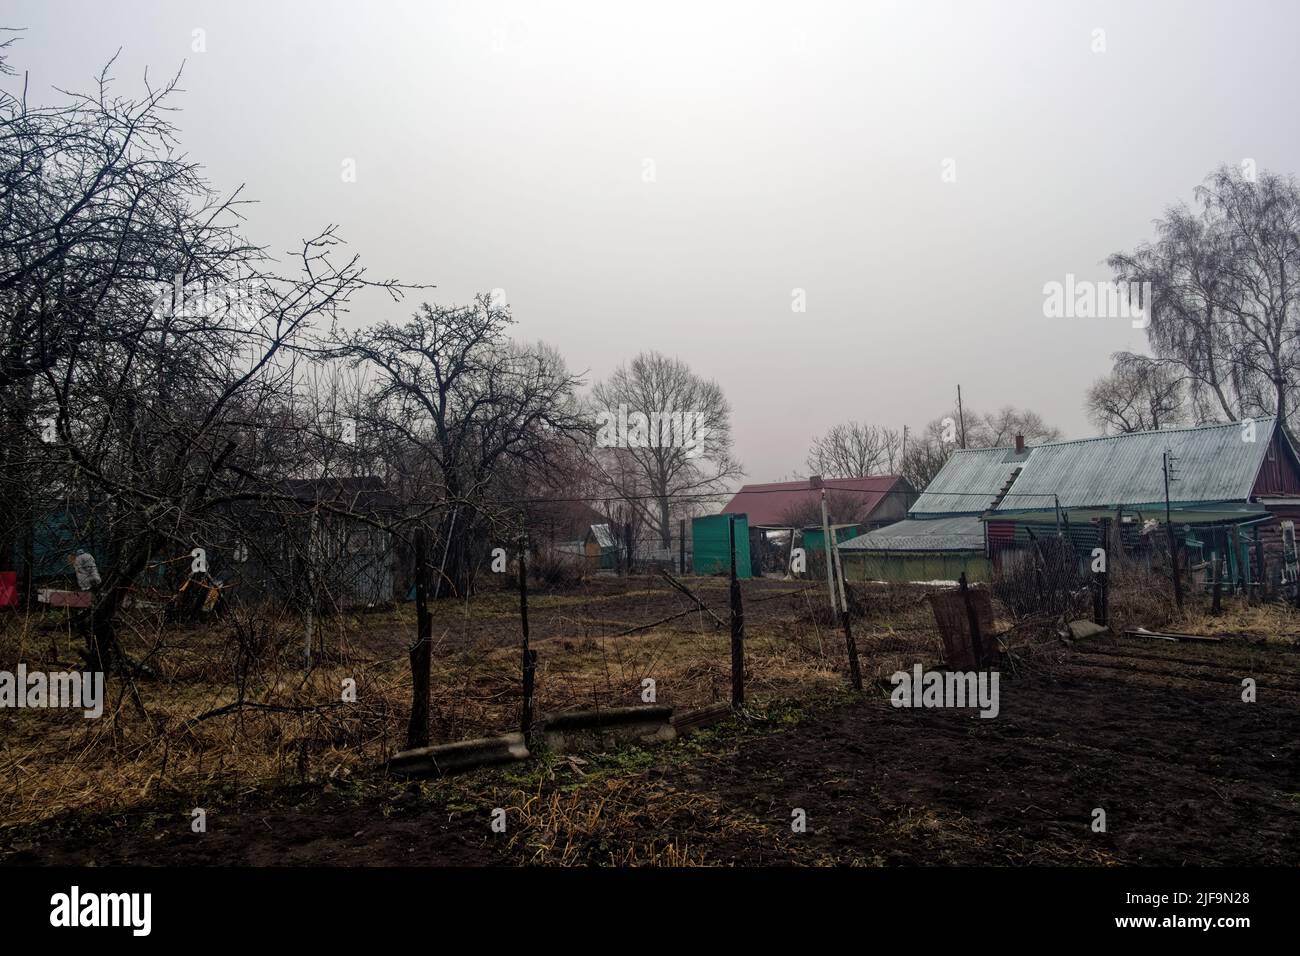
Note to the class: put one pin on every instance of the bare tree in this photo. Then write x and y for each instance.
(1140, 394)
(665, 434)
(929, 450)
(996, 429)
(479, 409)
(855, 450)
(1224, 281)
(145, 341)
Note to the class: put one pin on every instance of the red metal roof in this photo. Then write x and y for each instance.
(768, 504)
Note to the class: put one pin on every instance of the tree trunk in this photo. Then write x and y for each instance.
(421, 652)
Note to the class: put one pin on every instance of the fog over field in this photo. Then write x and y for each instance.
(508, 145)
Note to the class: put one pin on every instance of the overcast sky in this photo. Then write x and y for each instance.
(665, 175)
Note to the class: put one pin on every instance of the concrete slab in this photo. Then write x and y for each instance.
(605, 729)
(463, 755)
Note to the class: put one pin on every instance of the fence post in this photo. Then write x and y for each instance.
(1173, 566)
(737, 627)
(529, 655)
(1105, 597)
(681, 546)
(1096, 597)
(826, 538)
(1261, 572)
(1217, 571)
(1256, 589)
(972, 621)
(417, 733)
(851, 645)
(1100, 579)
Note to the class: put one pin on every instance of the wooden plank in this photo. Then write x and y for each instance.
(1172, 636)
(954, 619)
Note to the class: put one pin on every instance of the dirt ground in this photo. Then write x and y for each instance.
(1154, 733)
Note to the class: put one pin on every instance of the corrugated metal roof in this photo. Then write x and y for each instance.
(1213, 463)
(956, 533)
(969, 482)
(770, 505)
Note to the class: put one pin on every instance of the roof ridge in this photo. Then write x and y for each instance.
(802, 484)
(1154, 431)
(1119, 435)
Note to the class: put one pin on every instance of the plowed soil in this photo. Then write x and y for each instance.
(1155, 734)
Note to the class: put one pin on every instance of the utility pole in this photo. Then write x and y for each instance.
(1168, 460)
(961, 418)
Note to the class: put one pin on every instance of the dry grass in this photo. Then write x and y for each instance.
(187, 732)
(591, 824)
(190, 733)
(1143, 598)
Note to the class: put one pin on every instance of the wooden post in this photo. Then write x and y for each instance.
(1261, 574)
(1098, 577)
(681, 547)
(1257, 592)
(972, 620)
(737, 627)
(417, 733)
(826, 538)
(310, 581)
(851, 645)
(855, 669)
(627, 543)
(1240, 558)
(1096, 597)
(529, 655)
(1104, 621)
(1217, 606)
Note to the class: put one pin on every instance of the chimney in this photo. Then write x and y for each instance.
(1020, 444)
(816, 483)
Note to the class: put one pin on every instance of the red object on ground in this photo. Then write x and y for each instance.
(8, 588)
(67, 598)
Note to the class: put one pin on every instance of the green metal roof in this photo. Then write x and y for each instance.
(1214, 463)
(968, 482)
(956, 533)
